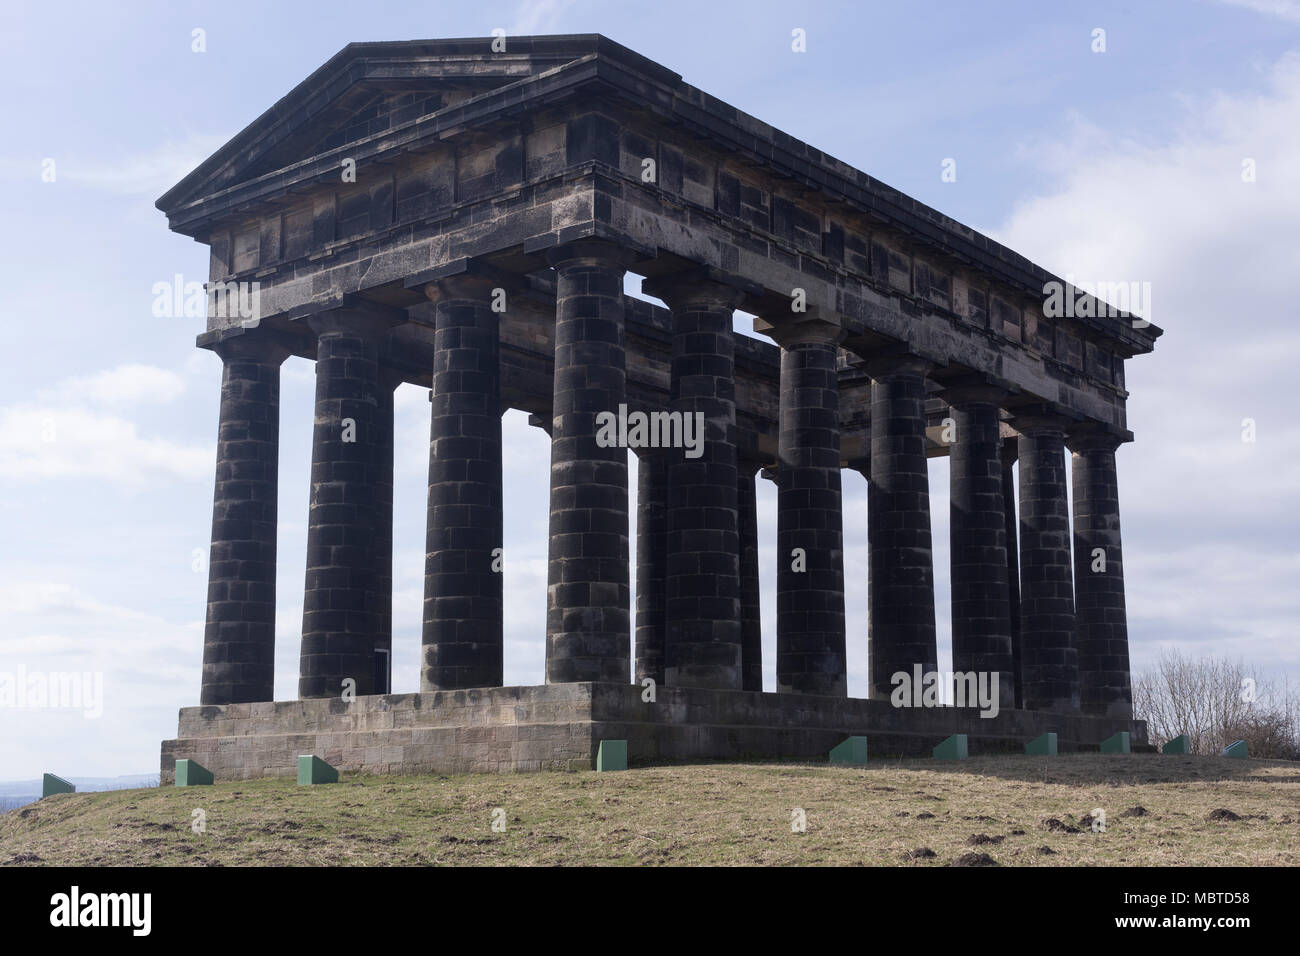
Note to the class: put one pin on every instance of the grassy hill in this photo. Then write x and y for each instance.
(1023, 811)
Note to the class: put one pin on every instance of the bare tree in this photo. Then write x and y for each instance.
(1216, 701)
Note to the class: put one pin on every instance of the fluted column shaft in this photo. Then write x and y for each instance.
(810, 648)
(588, 636)
(981, 614)
(341, 603)
(1049, 659)
(461, 636)
(1100, 617)
(651, 565)
(751, 615)
(901, 631)
(704, 630)
(239, 632)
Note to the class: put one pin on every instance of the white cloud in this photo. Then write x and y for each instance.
(57, 626)
(136, 662)
(1210, 521)
(1284, 9)
(66, 432)
(121, 386)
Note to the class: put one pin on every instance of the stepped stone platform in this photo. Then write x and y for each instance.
(560, 726)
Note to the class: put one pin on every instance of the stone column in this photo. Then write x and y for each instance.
(751, 614)
(341, 604)
(1009, 456)
(1050, 669)
(651, 564)
(810, 651)
(461, 637)
(588, 636)
(901, 631)
(704, 632)
(383, 679)
(981, 613)
(1100, 620)
(239, 633)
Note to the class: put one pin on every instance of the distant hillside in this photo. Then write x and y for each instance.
(1023, 811)
(17, 793)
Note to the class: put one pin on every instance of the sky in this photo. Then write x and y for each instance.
(1124, 164)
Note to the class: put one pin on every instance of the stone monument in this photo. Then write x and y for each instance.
(463, 218)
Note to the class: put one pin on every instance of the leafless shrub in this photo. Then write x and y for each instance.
(1216, 701)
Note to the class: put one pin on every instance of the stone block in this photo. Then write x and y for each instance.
(52, 784)
(1235, 749)
(1182, 744)
(313, 770)
(611, 755)
(850, 752)
(191, 773)
(1117, 743)
(1044, 745)
(953, 748)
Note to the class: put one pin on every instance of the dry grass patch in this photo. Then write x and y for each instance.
(1022, 811)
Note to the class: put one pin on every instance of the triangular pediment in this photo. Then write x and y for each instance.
(368, 88)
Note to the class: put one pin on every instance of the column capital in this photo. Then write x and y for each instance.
(972, 390)
(591, 252)
(470, 288)
(1092, 436)
(258, 346)
(804, 328)
(701, 287)
(372, 321)
(894, 360)
(1039, 419)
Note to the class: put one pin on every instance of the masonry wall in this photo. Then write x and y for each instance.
(469, 731)
(559, 726)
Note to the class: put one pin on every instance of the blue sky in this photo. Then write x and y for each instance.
(1117, 165)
